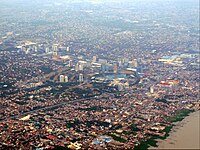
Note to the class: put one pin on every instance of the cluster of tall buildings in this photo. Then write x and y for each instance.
(94, 65)
(81, 79)
(64, 78)
(115, 66)
(30, 47)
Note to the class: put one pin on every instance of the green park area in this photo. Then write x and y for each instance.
(179, 115)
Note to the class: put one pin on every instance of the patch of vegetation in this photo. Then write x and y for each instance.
(129, 133)
(21, 102)
(117, 138)
(162, 100)
(133, 127)
(71, 124)
(46, 69)
(179, 115)
(166, 130)
(117, 126)
(144, 145)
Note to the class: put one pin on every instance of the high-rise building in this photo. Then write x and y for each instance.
(77, 67)
(94, 59)
(125, 60)
(115, 68)
(66, 79)
(70, 63)
(134, 63)
(35, 48)
(68, 49)
(32, 85)
(62, 78)
(80, 77)
(81, 67)
(55, 53)
(151, 89)
(120, 63)
(55, 47)
(47, 50)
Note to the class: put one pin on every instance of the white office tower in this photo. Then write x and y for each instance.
(62, 78)
(134, 63)
(80, 77)
(32, 85)
(81, 67)
(94, 59)
(151, 89)
(66, 79)
(68, 49)
(125, 60)
(47, 50)
(115, 68)
(70, 63)
(77, 67)
(27, 51)
(55, 53)
(55, 47)
(35, 48)
(120, 63)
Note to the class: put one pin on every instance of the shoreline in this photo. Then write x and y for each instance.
(184, 134)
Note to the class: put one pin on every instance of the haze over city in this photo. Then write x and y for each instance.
(99, 74)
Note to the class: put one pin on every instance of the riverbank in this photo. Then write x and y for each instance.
(174, 119)
(184, 135)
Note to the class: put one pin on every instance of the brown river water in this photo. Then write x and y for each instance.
(185, 135)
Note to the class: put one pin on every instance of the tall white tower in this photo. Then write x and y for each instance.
(62, 78)
(81, 67)
(68, 49)
(151, 89)
(135, 63)
(66, 79)
(55, 47)
(80, 77)
(70, 63)
(94, 59)
(77, 67)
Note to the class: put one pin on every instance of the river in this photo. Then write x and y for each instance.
(185, 135)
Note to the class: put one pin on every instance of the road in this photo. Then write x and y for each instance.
(45, 108)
